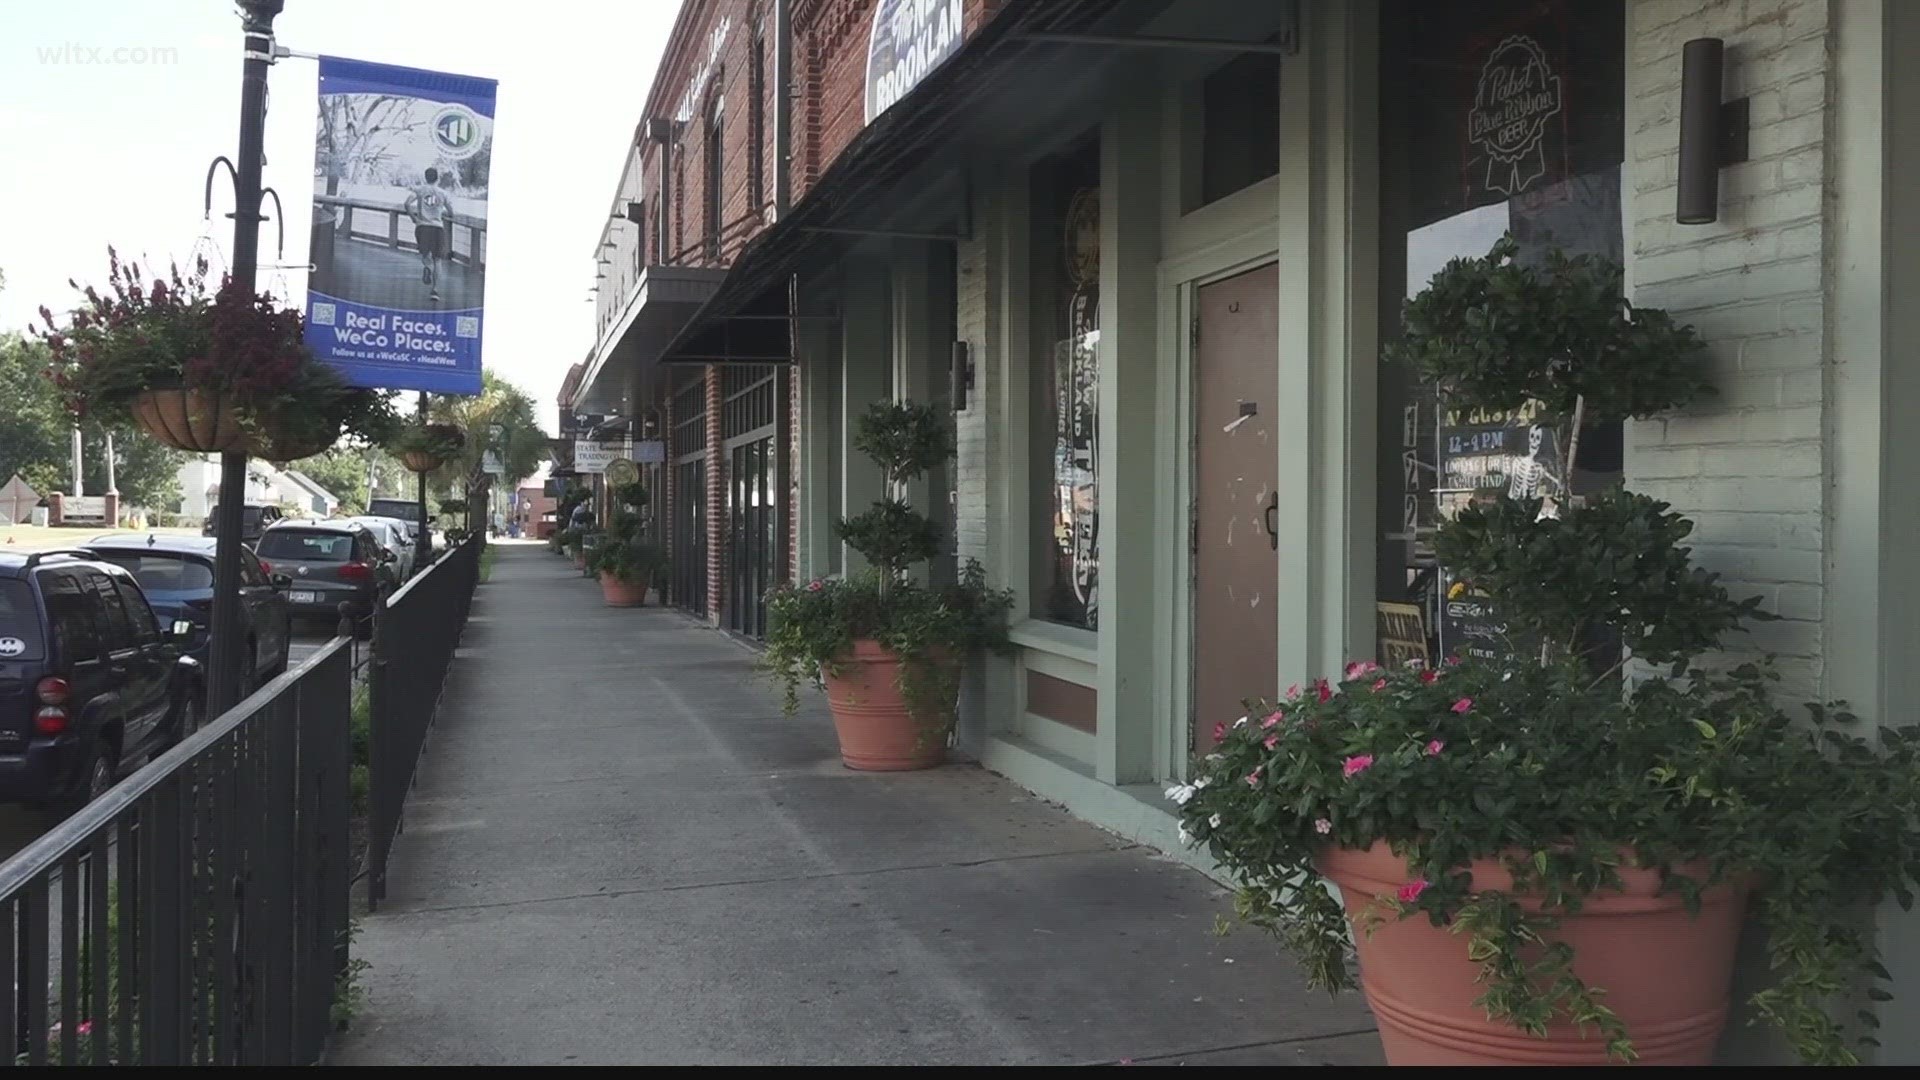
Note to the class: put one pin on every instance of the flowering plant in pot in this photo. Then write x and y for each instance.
(198, 369)
(425, 447)
(628, 563)
(886, 648)
(1536, 859)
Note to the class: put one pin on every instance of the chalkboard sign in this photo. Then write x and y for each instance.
(1481, 455)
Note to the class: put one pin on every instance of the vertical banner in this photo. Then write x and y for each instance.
(400, 171)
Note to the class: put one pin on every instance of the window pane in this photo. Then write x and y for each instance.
(110, 615)
(71, 618)
(1240, 125)
(145, 628)
(1065, 301)
(19, 620)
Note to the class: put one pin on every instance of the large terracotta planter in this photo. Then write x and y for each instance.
(421, 462)
(198, 421)
(877, 731)
(1667, 973)
(619, 593)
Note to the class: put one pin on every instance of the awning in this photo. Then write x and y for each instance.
(984, 93)
(657, 310)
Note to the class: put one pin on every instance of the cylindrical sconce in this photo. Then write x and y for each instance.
(1712, 133)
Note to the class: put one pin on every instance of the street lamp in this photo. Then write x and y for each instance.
(225, 648)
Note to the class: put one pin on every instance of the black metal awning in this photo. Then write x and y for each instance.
(983, 93)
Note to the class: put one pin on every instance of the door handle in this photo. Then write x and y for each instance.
(1273, 521)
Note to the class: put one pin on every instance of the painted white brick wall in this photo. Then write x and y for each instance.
(972, 487)
(1748, 465)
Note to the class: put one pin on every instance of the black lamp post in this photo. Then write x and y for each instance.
(224, 690)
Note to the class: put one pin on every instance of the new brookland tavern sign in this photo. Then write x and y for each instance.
(909, 39)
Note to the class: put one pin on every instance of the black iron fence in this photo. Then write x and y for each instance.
(196, 914)
(415, 632)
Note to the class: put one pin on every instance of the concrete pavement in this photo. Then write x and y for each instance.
(619, 852)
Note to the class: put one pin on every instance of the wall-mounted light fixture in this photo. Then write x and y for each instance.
(1713, 133)
(959, 376)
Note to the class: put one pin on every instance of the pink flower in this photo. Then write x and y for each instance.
(1463, 705)
(1272, 741)
(816, 585)
(1253, 778)
(1429, 675)
(1321, 688)
(1293, 691)
(1452, 660)
(1273, 719)
(1379, 685)
(1355, 669)
(1322, 826)
(1219, 732)
(1434, 747)
(1410, 892)
(1358, 763)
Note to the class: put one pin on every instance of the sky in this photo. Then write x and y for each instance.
(111, 110)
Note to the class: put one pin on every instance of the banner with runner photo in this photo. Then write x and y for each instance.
(400, 178)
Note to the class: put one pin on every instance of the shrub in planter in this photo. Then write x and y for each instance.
(425, 447)
(888, 649)
(631, 496)
(1537, 860)
(197, 369)
(628, 566)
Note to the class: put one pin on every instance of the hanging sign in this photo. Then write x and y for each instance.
(909, 38)
(592, 456)
(402, 167)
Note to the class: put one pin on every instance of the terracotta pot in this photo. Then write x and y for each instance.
(1667, 974)
(877, 731)
(198, 421)
(579, 560)
(421, 462)
(619, 593)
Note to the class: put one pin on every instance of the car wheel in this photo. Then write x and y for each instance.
(99, 777)
(190, 714)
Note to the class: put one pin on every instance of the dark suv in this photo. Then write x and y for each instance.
(89, 681)
(255, 518)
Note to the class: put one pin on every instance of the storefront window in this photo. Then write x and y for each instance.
(1497, 116)
(1065, 299)
(1239, 125)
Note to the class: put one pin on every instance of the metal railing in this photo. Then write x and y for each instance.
(415, 632)
(197, 912)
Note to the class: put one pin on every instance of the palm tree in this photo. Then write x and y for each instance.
(499, 419)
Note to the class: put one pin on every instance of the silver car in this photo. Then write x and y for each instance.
(327, 563)
(394, 535)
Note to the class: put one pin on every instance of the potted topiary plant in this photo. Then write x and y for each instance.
(888, 649)
(425, 447)
(1538, 861)
(200, 370)
(627, 563)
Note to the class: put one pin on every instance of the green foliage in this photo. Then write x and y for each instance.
(440, 440)
(522, 445)
(892, 536)
(905, 439)
(633, 496)
(1701, 778)
(36, 438)
(631, 559)
(1494, 332)
(1615, 560)
(453, 506)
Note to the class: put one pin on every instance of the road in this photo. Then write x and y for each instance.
(20, 826)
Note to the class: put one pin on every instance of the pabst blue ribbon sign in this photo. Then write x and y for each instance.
(909, 39)
(1517, 95)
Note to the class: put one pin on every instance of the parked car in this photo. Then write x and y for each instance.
(255, 519)
(176, 574)
(407, 510)
(326, 564)
(396, 536)
(89, 683)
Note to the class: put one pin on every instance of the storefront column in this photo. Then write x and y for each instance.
(1133, 613)
(818, 388)
(865, 377)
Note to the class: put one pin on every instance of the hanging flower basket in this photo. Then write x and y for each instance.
(425, 447)
(284, 442)
(198, 421)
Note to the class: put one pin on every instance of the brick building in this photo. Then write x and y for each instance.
(1153, 274)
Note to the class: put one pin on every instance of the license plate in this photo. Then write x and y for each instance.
(303, 598)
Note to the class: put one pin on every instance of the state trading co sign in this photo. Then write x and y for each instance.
(909, 39)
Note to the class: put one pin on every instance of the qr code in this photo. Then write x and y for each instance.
(466, 326)
(322, 314)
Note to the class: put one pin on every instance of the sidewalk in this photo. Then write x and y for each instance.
(619, 852)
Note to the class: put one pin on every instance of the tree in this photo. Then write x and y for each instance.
(36, 438)
(523, 445)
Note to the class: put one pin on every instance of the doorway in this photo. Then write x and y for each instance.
(1236, 498)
